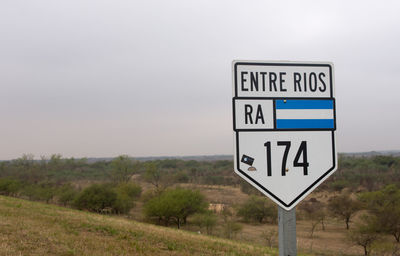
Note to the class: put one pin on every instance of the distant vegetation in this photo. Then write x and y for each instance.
(367, 187)
(365, 173)
(32, 228)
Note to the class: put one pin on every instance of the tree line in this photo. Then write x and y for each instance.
(360, 186)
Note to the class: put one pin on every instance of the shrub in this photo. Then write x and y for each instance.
(175, 205)
(39, 192)
(338, 185)
(257, 209)
(66, 194)
(108, 198)
(130, 189)
(207, 220)
(231, 229)
(96, 197)
(126, 194)
(9, 187)
(247, 188)
(181, 177)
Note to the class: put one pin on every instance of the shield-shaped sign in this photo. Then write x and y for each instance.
(284, 123)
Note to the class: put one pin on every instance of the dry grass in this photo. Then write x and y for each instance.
(31, 228)
(332, 241)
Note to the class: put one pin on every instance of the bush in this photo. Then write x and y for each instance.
(126, 194)
(123, 204)
(258, 209)
(175, 205)
(9, 187)
(338, 185)
(39, 192)
(96, 198)
(132, 190)
(108, 198)
(247, 188)
(207, 220)
(66, 194)
(181, 177)
(231, 229)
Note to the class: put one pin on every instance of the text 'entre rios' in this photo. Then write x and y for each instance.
(294, 81)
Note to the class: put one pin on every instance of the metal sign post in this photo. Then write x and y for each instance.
(287, 232)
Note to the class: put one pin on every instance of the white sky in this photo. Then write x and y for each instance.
(104, 78)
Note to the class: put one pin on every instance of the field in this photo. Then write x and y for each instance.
(331, 241)
(38, 228)
(32, 228)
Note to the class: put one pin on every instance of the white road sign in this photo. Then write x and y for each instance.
(284, 123)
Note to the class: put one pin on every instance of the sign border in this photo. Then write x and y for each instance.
(236, 131)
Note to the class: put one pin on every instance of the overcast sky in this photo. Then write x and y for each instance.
(152, 78)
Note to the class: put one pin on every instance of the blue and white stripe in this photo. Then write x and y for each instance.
(305, 114)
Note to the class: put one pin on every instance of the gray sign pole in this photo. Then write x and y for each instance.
(287, 232)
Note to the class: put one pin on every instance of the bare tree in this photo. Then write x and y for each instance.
(315, 212)
(122, 168)
(344, 207)
(364, 234)
(270, 237)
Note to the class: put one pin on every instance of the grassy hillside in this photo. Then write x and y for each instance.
(31, 228)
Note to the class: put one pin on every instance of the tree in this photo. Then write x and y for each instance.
(344, 207)
(26, 160)
(231, 228)
(207, 220)
(126, 195)
(122, 169)
(66, 194)
(96, 197)
(315, 212)
(181, 177)
(176, 205)
(257, 209)
(108, 197)
(385, 206)
(44, 191)
(159, 178)
(247, 188)
(9, 187)
(270, 237)
(55, 161)
(153, 175)
(130, 189)
(364, 234)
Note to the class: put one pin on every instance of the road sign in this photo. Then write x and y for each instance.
(284, 123)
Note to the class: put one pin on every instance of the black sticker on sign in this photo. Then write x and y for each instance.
(247, 160)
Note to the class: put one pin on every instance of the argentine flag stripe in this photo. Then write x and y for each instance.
(304, 104)
(304, 124)
(304, 114)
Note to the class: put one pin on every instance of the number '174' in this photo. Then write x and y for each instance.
(302, 151)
